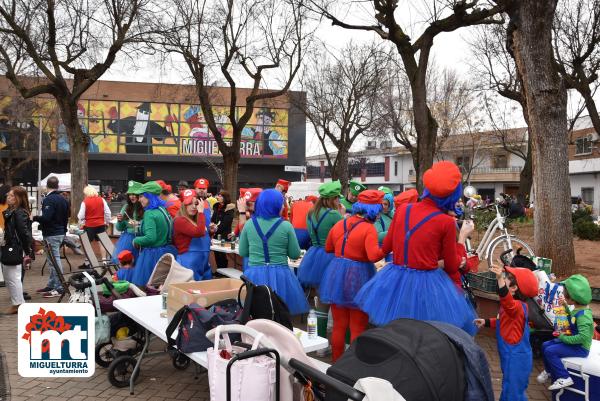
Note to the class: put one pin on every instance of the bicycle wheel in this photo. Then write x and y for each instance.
(500, 245)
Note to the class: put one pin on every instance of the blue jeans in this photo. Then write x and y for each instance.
(553, 351)
(55, 242)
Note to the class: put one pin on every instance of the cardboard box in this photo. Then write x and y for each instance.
(211, 291)
(544, 264)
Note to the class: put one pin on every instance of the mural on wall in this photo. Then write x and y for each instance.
(163, 128)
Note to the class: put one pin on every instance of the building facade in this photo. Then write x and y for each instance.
(584, 163)
(147, 131)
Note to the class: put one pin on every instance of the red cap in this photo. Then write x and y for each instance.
(125, 256)
(162, 184)
(201, 183)
(312, 198)
(526, 280)
(371, 197)
(409, 196)
(250, 194)
(285, 184)
(442, 178)
(188, 196)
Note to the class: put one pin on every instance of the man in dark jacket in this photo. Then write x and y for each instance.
(53, 223)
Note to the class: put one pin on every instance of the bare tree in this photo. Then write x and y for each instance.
(440, 16)
(530, 43)
(577, 49)
(61, 48)
(239, 42)
(342, 101)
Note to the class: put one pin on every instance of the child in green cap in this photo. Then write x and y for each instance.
(576, 290)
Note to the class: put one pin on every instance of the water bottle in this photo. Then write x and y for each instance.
(311, 324)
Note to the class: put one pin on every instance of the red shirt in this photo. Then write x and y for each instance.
(173, 205)
(285, 213)
(184, 230)
(512, 319)
(299, 211)
(94, 211)
(433, 241)
(362, 244)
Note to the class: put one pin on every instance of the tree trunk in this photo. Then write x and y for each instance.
(426, 128)
(591, 107)
(231, 162)
(78, 142)
(546, 98)
(526, 176)
(341, 170)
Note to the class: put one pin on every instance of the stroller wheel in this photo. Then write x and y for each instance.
(181, 361)
(104, 354)
(120, 371)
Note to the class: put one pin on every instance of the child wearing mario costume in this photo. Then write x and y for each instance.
(127, 219)
(354, 241)
(125, 259)
(321, 218)
(201, 186)
(298, 213)
(283, 186)
(189, 228)
(512, 330)
(422, 234)
(268, 240)
(576, 289)
(155, 238)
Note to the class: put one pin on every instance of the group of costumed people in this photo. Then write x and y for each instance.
(344, 236)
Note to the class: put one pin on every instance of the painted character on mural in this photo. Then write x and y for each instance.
(62, 140)
(139, 130)
(272, 143)
(92, 147)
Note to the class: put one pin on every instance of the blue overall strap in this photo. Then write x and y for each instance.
(408, 232)
(347, 233)
(382, 223)
(167, 216)
(316, 227)
(573, 321)
(265, 238)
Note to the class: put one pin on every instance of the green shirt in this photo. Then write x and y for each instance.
(347, 204)
(123, 224)
(382, 229)
(328, 221)
(585, 328)
(282, 243)
(156, 227)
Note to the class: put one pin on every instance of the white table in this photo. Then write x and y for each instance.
(145, 311)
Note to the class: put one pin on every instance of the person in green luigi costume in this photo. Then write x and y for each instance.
(354, 189)
(155, 236)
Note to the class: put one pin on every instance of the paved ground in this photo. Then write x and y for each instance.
(159, 380)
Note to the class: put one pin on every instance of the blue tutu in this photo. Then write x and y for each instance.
(144, 265)
(400, 292)
(281, 279)
(196, 261)
(303, 238)
(125, 243)
(313, 265)
(342, 280)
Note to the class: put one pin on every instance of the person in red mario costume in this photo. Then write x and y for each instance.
(201, 186)
(420, 235)
(283, 186)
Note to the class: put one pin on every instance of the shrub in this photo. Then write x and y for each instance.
(586, 229)
(582, 214)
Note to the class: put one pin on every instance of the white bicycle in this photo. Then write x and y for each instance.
(493, 247)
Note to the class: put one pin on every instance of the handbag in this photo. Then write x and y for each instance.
(102, 322)
(251, 379)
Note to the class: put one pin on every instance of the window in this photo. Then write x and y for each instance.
(464, 162)
(375, 169)
(500, 161)
(395, 168)
(587, 195)
(313, 171)
(583, 145)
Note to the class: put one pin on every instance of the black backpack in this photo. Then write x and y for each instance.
(522, 261)
(262, 302)
(416, 358)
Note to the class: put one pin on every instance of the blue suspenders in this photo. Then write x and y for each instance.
(347, 233)
(265, 238)
(316, 228)
(410, 231)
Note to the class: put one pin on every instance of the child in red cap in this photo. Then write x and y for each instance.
(512, 329)
(125, 259)
(354, 241)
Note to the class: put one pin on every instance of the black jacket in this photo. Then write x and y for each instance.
(17, 229)
(223, 214)
(55, 215)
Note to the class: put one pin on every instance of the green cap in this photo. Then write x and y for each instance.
(579, 289)
(134, 188)
(152, 187)
(385, 190)
(356, 187)
(330, 189)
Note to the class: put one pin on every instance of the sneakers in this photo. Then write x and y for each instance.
(53, 294)
(12, 310)
(543, 377)
(561, 383)
(45, 289)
